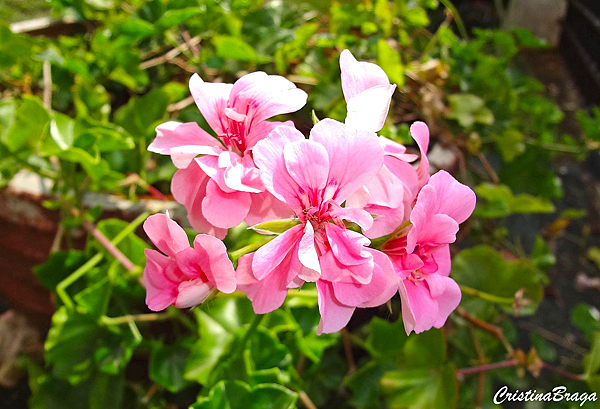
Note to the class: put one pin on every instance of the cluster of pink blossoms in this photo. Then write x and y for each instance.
(344, 185)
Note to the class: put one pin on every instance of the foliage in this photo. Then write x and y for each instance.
(113, 84)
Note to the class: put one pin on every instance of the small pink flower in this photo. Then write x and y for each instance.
(421, 258)
(314, 177)
(222, 188)
(183, 276)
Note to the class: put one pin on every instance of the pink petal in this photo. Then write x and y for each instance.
(420, 133)
(267, 294)
(442, 258)
(359, 76)
(423, 308)
(222, 209)
(307, 253)
(192, 293)
(334, 271)
(272, 254)
(189, 263)
(396, 150)
(215, 262)
(334, 314)
(448, 296)
(307, 163)
(358, 216)
(263, 96)
(268, 156)
(355, 156)
(383, 271)
(166, 234)
(211, 98)
(369, 109)
(265, 207)
(261, 130)
(386, 221)
(453, 198)
(183, 142)
(348, 246)
(161, 290)
(189, 188)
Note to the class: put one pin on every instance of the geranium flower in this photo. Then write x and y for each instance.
(222, 188)
(421, 256)
(314, 177)
(183, 276)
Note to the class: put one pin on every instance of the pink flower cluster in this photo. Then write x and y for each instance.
(344, 186)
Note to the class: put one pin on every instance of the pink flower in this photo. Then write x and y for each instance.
(183, 276)
(367, 91)
(368, 94)
(314, 177)
(222, 188)
(421, 257)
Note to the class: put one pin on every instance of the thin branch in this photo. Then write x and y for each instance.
(489, 169)
(486, 367)
(192, 47)
(111, 248)
(487, 296)
(306, 400)
(178, 106)
(126, 319)
(551, 336)
(562, 372)
(47, 77)
(347, 343)
(171, 54)
(486, 326)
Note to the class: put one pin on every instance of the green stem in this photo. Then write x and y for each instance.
(235, 255)
(61, 288)
(126, 319)
(459, 23)
(486, 296)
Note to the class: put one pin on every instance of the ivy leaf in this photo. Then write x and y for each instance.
(500, 202)
(167, 364)
(175, 17)
(587, 319)
(30, 124)
(389, 60)
(239, 395)
(236, 49)
(468, 109)
(510, 143)
(421, 388)
(483, 269)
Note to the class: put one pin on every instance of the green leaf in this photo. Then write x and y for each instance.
(8, 109)
(389, 60)
(364, 384)
(175, 17)
(587, 319)
(500, 202)
(591, 362)
(29, 126)
(421, 389)
(275, 226)
(206, 352)
(137, 27)
(510, 143)
(468, 109)
(58, 267)
(380, 334)
(236, 49)
(239, 395)
(167, 365)
(483, 269)
(541, 256)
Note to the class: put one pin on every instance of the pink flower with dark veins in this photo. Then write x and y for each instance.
(421, 254)
(222, 188)
(181, 275)
(315, 177)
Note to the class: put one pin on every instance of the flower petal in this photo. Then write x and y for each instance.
(268, 157)
(272, 254)
(166, 234)
(161, 290)
(192, 293)
(348, 246)
(225, 210)
(453, 198)
(211, 98)
(359, 76)
(265, 207)
(369, 109)
(216, 264)
(307, 163)
(334, 314)
(355, 156)
(307, 253)
(420, 133)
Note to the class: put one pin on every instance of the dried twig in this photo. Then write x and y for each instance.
(47, 76)
(178, 106)
(306, 400)
(111, 248)
(171, 54)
